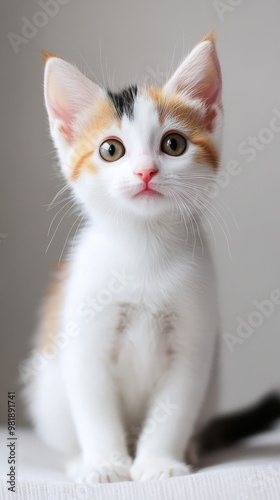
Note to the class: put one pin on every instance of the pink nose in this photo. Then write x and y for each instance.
(147, 174)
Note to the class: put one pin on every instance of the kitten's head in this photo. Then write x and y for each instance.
(142, 151)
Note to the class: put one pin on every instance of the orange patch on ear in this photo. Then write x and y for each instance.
(210, 38)
(47, 55)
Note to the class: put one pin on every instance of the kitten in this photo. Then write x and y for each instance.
(136, 300)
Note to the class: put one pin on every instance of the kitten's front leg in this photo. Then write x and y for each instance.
(174, 408)
(93, 396)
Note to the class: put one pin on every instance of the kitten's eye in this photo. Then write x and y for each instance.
(111, 150)
(174, 144)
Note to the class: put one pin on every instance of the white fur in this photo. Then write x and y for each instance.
(141, 364)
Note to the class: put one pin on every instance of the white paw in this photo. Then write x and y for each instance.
(157, 468)
(112, 470)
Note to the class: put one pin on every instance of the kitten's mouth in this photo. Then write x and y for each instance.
(147, 192)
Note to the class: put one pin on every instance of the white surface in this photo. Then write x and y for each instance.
(247, 472)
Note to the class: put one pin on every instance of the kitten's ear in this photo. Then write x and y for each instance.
(199, 75)
(68, 96)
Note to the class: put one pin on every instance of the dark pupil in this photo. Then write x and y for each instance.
(172, 143)
(111, 150)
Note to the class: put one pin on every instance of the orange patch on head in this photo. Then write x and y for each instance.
(207, 152)
(75, 172)
(173, 106)
(157, 96)
(102, 118)
(193, 121)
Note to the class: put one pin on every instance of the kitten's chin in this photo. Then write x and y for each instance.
(148, 204)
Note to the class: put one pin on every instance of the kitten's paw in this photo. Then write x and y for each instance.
(112, 470)
(157, 468)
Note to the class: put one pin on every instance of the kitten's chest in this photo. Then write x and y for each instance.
(142, 352)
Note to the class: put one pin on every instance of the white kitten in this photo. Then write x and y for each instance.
(130, 325)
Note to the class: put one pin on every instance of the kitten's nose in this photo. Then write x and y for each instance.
(147, 174)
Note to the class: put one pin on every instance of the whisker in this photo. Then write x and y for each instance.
(57, 195)
(218, 222)
(197, 193)
(54, 205)
(55, 216)
(192, 215)
(185, 222)
(82, 219)
(220, 200)
(67, 211)
(201, 220)
(65, 243)
(186, 176)
(206, 203)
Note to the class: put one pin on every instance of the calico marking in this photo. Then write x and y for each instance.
(84, 149)
(77, 167)
(124, 101)
(51, 309)
(175, 107)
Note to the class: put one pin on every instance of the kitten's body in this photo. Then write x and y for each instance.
(139, 294)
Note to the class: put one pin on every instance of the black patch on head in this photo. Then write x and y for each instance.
(124, 101)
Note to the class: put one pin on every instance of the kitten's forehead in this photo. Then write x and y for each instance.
(124, 100)
(140, 128)
(133, 104)
(137, 114)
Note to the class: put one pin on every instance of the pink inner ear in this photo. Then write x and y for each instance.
(209, 92)
(66, 126)
(199, 77)
(209, 88)
(67, 94)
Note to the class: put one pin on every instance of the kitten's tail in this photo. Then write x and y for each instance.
(228, 429)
